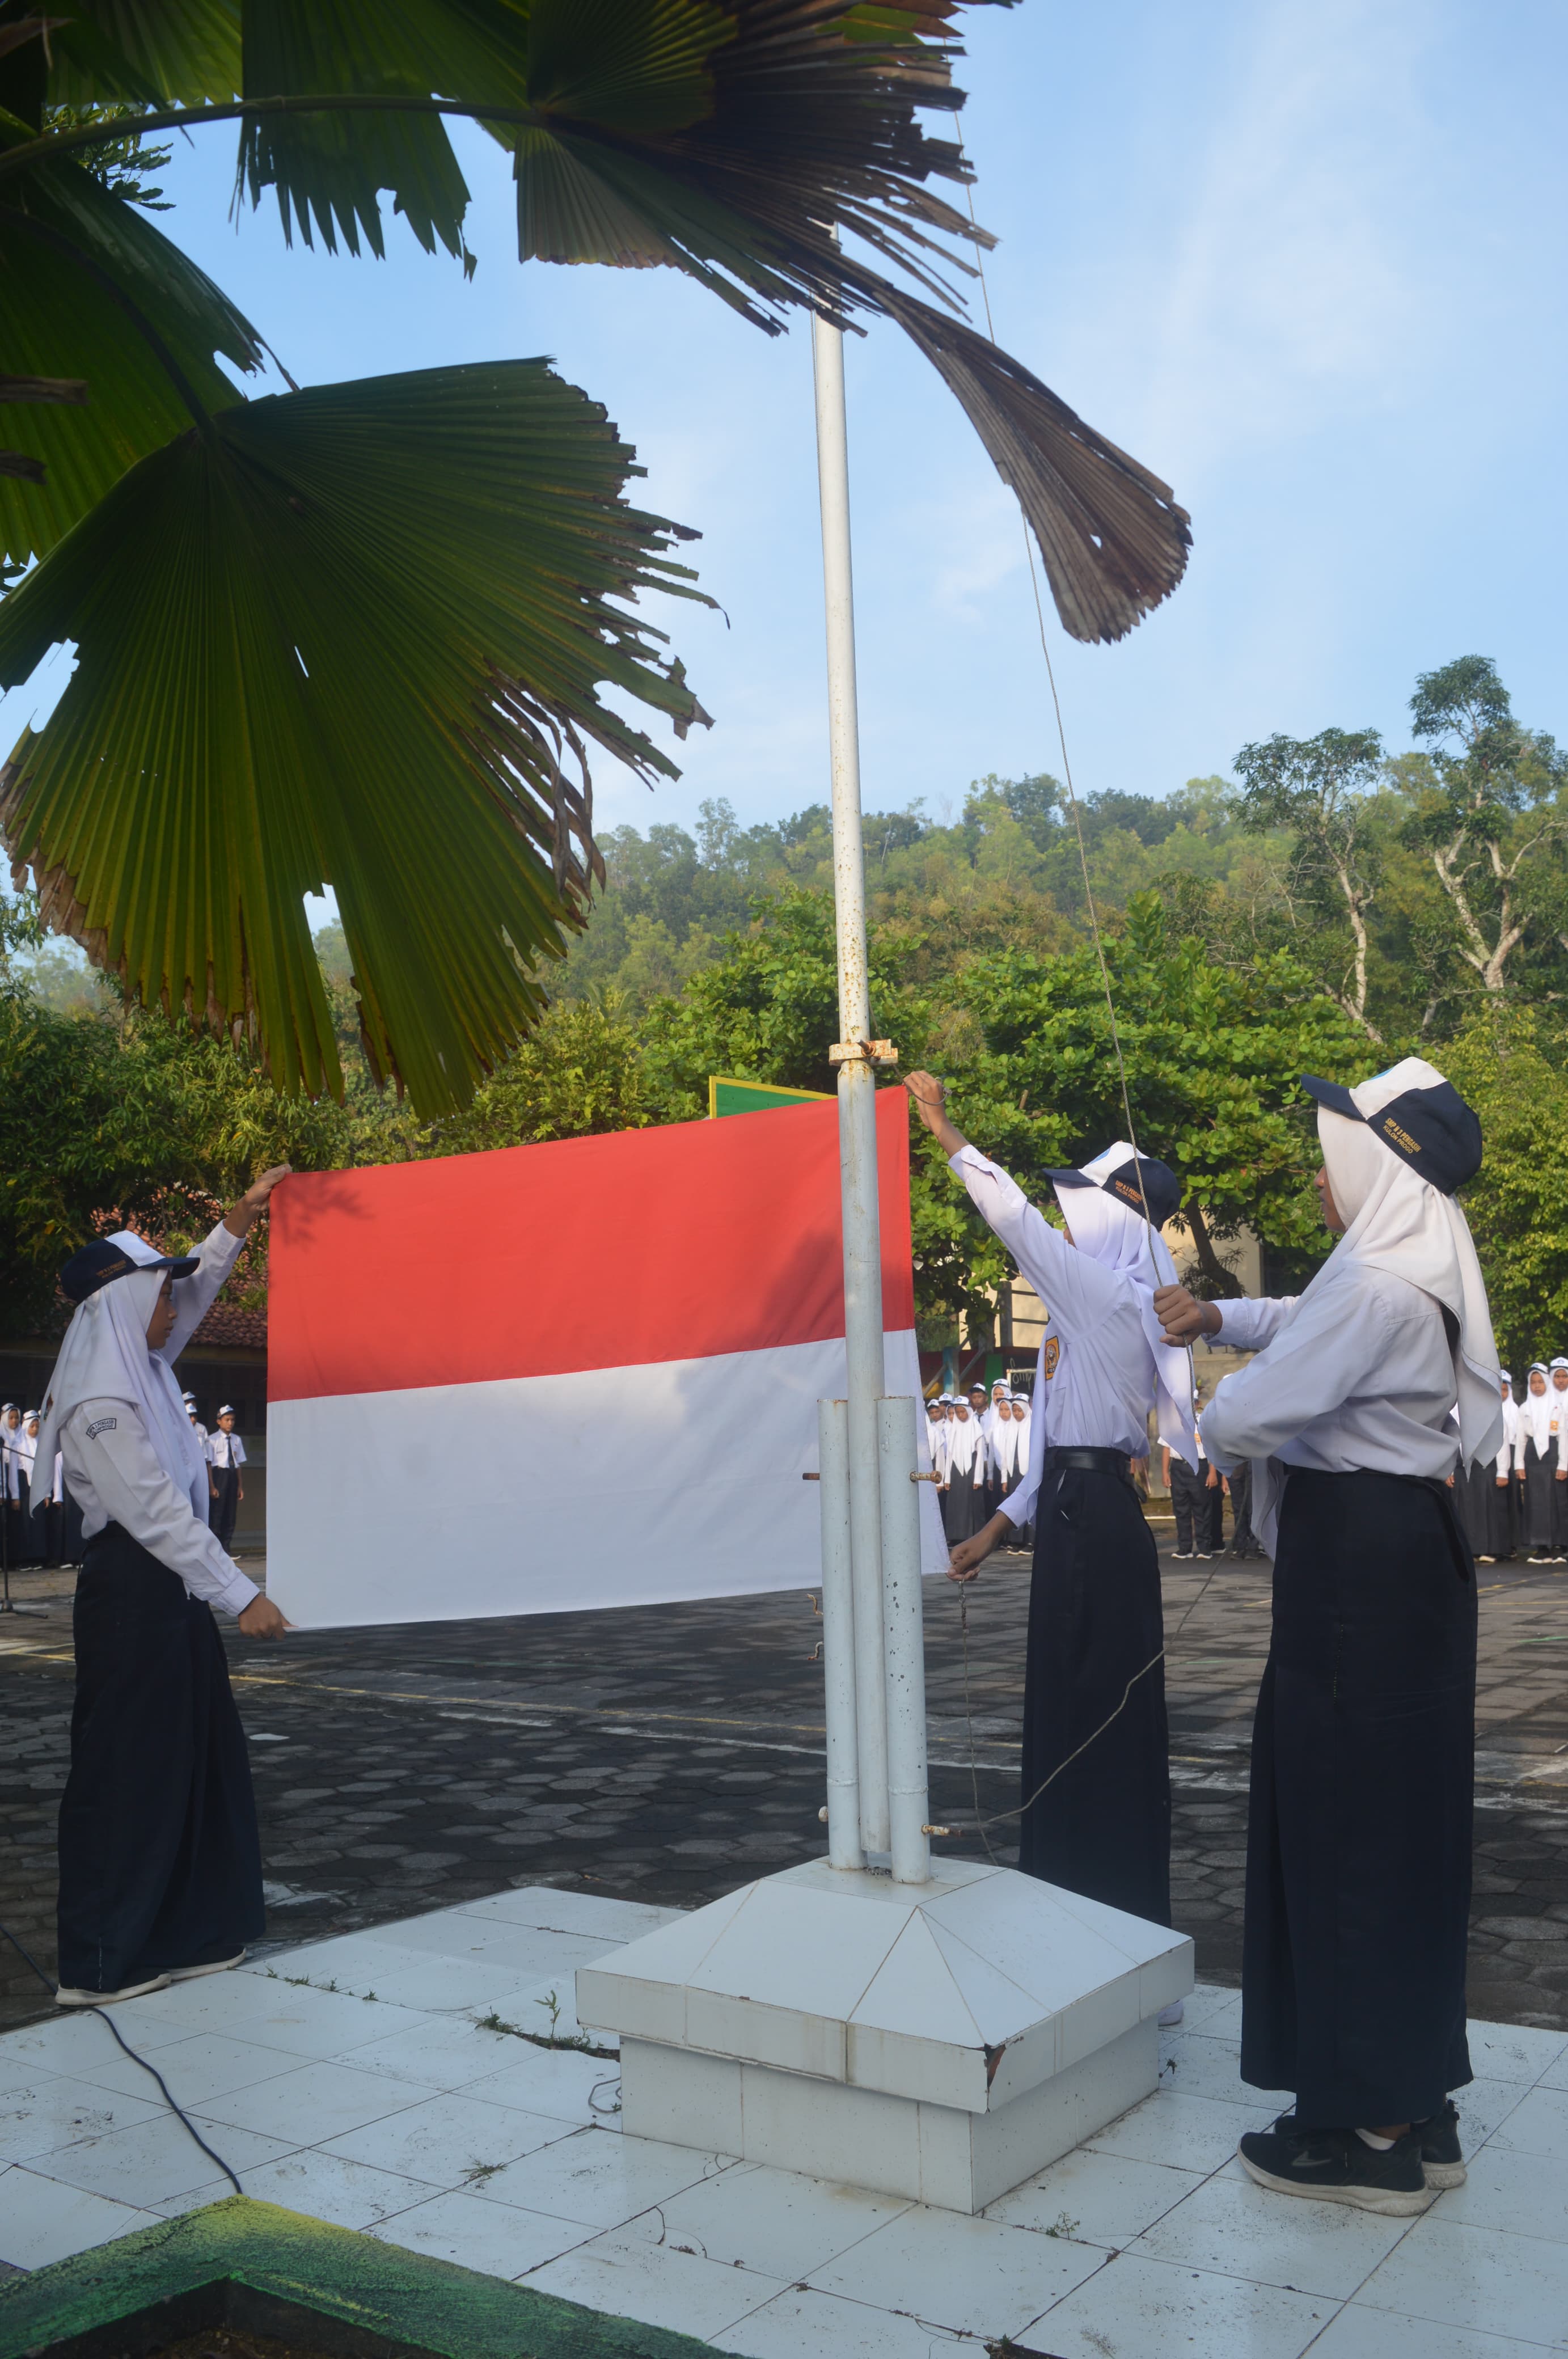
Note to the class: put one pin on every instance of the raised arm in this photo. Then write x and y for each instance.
(194, 1296)
(1076, 1289)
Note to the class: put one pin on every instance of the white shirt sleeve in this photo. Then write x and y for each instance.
(1019, 1508)
(110, 1442)
(1250, 1324)
(1076, 1289)
(1311, 1370)
(194, 1296)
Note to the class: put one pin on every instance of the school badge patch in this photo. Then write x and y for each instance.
(1050, 1356)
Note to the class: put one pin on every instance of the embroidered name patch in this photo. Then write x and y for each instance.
(1050, 1356)
(102, 1425)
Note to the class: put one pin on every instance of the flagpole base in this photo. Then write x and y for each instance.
(944, 2041)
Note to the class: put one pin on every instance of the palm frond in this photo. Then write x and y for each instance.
(353, 636)
(176, 52)
(811, 127)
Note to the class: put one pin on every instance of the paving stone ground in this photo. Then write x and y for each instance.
(667, 1753)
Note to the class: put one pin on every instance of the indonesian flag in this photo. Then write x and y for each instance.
(571, 1376)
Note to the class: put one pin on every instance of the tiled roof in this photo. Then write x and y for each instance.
(226, 1328)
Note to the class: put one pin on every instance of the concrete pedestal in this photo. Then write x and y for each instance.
(943, 2040)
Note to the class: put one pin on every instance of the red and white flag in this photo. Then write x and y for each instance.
(581, 1374)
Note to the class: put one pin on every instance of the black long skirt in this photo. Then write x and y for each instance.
(1538, 1506)
(1483, 1508)
(963, 1507)
(159, 1859)
(1358, 1843)
(1102, 1826)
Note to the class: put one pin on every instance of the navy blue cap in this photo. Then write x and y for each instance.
(103, 1260)
(1145, 1185)
(1432, 1130)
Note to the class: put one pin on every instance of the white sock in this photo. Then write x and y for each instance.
(1379, 2145)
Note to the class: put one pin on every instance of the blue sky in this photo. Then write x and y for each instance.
(1306, 261)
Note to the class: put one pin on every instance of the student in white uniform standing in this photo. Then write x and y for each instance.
(225, 1456)
(159, 1860)
(1102, 1825)
(1358, 1844)
(1538, 1456)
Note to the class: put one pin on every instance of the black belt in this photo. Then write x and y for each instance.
(1093, 1462)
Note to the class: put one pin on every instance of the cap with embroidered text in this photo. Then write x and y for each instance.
(110, 1257)
(1417, 1113)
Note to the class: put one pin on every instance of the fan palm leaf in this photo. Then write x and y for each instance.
(352, 636)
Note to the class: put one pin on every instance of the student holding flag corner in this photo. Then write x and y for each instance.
(159, 1860)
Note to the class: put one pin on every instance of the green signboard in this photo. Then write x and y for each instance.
(726, 1096)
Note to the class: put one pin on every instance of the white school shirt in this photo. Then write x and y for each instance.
(226, 1450)
(1095, 1376)
(1510, 1438)
(1357, 1376)
(116, 1477)
(14, 1459)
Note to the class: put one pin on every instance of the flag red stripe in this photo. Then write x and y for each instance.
(669, 1244)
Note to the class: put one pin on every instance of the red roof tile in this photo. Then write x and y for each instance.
(226, 1328)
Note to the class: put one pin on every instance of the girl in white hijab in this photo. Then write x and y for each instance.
(1095, 1756)
(1537, 1453)
(1368, 1387)
(159, 1860)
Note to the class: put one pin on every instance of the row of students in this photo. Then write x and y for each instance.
(979, 1453)
(43, 1524)
(1520, 1501)
(1365, 1395)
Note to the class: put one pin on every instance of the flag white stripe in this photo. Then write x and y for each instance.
(542, 1494)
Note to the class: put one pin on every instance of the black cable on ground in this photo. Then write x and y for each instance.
(104, 2017)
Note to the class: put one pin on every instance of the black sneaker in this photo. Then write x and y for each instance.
(1337, 2167)
(1441, 2159)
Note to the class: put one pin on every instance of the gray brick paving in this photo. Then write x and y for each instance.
(668, 1753)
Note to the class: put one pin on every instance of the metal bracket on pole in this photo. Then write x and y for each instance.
(863, 1052)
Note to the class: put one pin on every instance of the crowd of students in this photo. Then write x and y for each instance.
(980, 1455)
(42, 1524)
(1517, 1504)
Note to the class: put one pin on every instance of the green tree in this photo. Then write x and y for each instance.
(1493, 818)
(1320, 790)
(1511, 1062)
(364, 634)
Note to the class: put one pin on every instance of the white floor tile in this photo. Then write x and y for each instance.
(1476, 2277)
(444, 2140)
(1514, 2051)
(41, 2221)
(1556, 2075)
(314, 2103)
(820, 2326)
(495, 2238)
(972, 2276)
(50, 2112)
(521, 1952)
(1096, 2199)
(1512, 2192)
(1213, 2011)
(1137, 2308)
(571, 1912)
(557, 2081)
(74, 2043)
(156, 2160)
(449, 1985)
(356, 1963)
(654, 2284)
(1483, 2106)
(209, 2065)
(775, 2222)
(601, 2177)
(445, 2052)
(326, 2186)
(1189, 2133)
(17, 2072)
(1538, 2125)
(1231, 2225)
(1359, 2333)
(273, 2013)
(1196, 2064)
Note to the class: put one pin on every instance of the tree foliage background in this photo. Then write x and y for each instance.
(1237, 917)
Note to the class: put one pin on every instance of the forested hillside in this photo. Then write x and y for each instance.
(1331, 906)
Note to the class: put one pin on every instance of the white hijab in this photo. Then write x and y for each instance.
(1397, 1220)
(104, 1356)
(1121, 1240)
(1535, 1409)
(962, 1440)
